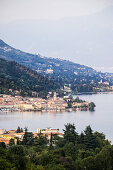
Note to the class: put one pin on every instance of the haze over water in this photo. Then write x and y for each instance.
(100, 120)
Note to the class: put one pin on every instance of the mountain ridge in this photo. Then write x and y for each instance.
(7, 48)
(60, 71)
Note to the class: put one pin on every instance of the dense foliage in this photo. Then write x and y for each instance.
(23, 80)
(86, 151)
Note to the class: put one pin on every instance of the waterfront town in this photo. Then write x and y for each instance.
(6, 136)
(19, 103)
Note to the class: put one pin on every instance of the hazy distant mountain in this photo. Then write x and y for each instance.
(42, 64)
(85, 39)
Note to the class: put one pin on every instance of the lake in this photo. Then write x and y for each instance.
(100, 120)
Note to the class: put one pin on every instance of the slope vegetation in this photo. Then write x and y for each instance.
(17, 78)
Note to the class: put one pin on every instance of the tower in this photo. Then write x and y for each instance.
(54, 97)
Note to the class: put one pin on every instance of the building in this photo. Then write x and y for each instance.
(47, 130)
(67, 89)
(78, 105)
(106, 83)
(56, 104)
(7, 136)
(6, 141)
(2, 131)
(26, 106)
(49, 71)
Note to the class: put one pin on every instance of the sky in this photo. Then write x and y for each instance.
(11, 10)
(76, 30)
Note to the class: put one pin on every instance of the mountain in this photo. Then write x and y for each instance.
(41, 64)
(60, 71)
(18, 79)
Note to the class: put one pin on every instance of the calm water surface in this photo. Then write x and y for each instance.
(101, 119)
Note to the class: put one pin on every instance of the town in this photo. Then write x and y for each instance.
(19, 103)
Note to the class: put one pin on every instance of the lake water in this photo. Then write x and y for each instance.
(101, 119)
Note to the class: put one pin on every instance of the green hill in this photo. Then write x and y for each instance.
(16, 78)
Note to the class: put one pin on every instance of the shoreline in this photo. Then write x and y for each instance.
(90, 93)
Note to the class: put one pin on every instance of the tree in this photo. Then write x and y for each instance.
(2, 144)
(40, 140)
(4, 165)
(70, 150)
(104, 159)
(92, 106)
(55, 167)
(88, 163)
(18, 142)
(70, 134)
(61, 142)
(11, 142)
(100, 137)
(19, 130)
(71, 97)
(51, 140)
(17, 156)
(28, 137)
(81, 138)
(89, 138)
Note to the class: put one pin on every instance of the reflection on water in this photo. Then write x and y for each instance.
(101, 119)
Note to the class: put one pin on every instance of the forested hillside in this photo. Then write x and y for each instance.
(16, 78)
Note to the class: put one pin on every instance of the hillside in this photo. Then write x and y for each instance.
(18, 79)
(60, 71)
(41, 63)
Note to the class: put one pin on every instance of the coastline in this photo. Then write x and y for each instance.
(90, 93)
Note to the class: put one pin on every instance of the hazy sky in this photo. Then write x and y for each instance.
(68, 31)
(48, 9)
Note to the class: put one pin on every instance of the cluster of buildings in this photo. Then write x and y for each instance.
(83, 105)
(66, 89)
(6, 136)
(19, 103)
(80, 105)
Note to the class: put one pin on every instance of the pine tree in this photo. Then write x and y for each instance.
(89, 138)
(70, 134)
(18, 129)
(28, 137)
(51, 140)
(81, 138)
